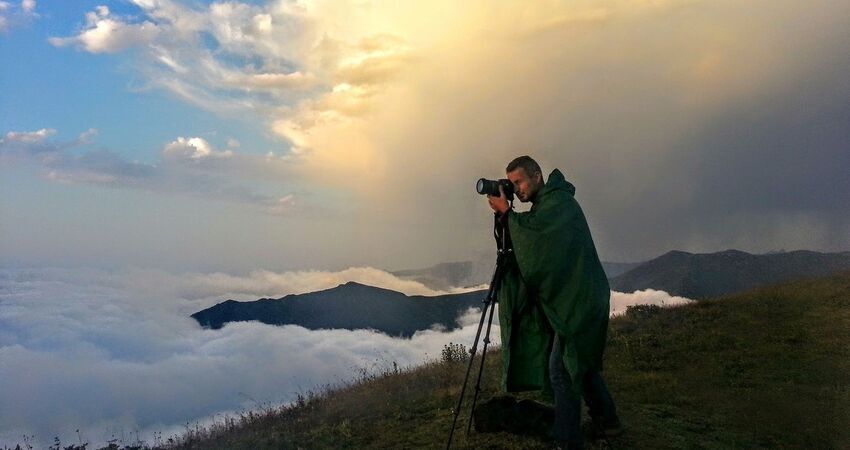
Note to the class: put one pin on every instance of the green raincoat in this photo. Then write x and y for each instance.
(555, 284)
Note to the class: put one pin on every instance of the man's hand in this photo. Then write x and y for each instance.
(500, 203)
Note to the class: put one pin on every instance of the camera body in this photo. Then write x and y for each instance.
(491, 187)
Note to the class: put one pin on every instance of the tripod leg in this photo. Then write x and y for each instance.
(480, 369)
(487, 304)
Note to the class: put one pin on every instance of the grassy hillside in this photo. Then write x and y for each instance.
(766, 368)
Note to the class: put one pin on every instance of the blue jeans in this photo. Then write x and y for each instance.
(600, 405)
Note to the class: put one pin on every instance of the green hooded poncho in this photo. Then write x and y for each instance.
(555, 284)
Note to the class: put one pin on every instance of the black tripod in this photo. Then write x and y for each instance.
(504, 251)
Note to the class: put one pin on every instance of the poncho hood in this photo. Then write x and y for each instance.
(556, 182)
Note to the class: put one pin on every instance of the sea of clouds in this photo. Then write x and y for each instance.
(115, 353)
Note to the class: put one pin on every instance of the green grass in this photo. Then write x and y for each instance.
(769, 368)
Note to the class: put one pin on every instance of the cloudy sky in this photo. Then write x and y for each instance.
(284, 135)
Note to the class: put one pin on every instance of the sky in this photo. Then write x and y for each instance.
(288, 135)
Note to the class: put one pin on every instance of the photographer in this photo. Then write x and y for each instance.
(553, 303)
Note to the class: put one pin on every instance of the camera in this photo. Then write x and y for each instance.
(491, 187)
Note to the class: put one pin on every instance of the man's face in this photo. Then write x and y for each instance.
(525, 187)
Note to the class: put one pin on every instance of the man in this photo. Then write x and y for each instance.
(553, 301)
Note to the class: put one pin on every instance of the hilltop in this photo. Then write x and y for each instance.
(351, 306)
(769, 367)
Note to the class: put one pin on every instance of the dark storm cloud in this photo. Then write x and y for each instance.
(765, 172)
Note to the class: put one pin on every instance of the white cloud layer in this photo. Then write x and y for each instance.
(111, 352)
(621, 301)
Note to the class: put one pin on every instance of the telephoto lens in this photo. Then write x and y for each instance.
(491, 187)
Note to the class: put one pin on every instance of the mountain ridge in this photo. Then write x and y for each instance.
(704, 275)
(349, 305)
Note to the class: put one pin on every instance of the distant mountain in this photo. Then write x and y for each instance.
(474, 273)
(451, 274)
(350, 306)
(706, 275)
(612, 269)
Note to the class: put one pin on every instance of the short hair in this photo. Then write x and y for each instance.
(527, 163)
